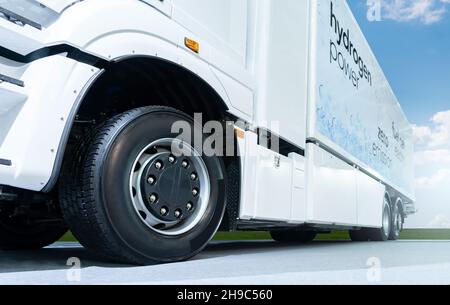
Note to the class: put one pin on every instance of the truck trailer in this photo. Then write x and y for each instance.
(96, 98)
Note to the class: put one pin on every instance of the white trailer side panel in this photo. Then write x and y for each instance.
(352, 109)
(331, 189)
(340, 194)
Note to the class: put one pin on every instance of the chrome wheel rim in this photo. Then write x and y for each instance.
(170, 187)
(386, 219)
(398, 223)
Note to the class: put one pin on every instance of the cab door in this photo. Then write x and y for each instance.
(222, 23)
(281, 67)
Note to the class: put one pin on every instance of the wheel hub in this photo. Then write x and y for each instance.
(170, 187)
(386, 219)
(398, 221)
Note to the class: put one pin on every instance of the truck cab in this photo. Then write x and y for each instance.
(144, 126)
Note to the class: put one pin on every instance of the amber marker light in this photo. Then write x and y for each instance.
(192, 45)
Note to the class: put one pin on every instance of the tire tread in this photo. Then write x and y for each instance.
(77, 191)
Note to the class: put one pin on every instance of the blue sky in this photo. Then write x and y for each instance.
(412, 44)
(415, 57)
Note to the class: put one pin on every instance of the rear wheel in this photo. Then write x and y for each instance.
(378, 234)
(293, 236)
(359, 235)
(397, 222)
(137, 193)
(382, 234)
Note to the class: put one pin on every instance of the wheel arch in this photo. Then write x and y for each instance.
(102, 96)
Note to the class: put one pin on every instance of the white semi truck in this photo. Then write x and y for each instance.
(92, 92)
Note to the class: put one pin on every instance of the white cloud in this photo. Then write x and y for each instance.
(435, 136)
(432, 162)
(441, 134)
(438, 156)
(433, 181)
(422, 134)
(433, 151)
(424, 11)
(440, 222)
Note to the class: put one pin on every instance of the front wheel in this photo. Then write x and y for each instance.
(137, 193)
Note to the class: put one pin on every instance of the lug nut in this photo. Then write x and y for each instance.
(195, 192)
(164, 211)
(178, 214)
(189, 206)
(193, 176)
(153, 198)
(172, 159)
(158, 165)
(151, 180)
(185, 164)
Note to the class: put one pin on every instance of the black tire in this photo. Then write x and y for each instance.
(383, 233)
(300, 237)
(18, 235)
(396, 222)
(378, 234)
(95, 198)
(359, 235)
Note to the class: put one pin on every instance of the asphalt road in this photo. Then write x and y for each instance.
(404, 262)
